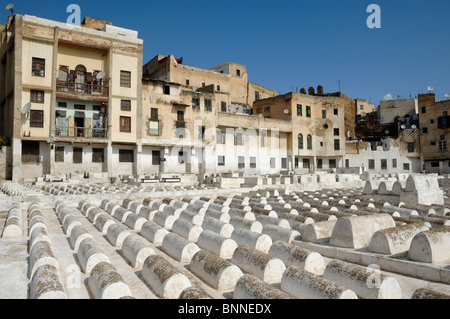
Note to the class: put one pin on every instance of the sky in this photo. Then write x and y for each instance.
(289, 44)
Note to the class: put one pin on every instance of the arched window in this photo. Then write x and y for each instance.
(63, 73)
(310, 147)
(300, 142)
(80, 73)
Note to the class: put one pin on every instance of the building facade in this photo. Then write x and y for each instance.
(69, 96)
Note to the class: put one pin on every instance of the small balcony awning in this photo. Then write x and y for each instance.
(180, 104)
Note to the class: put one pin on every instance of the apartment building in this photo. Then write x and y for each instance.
(434, 125)
(70, 96)
(320, 127)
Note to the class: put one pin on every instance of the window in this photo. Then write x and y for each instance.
(125, 105)
(319, 163)
(59, 155)
(221, 161)
(221, 137)
(433, 143)
(188, 83)
(306, 163)
(37, 96)
(308, 111)
(98, 155)
(238, 72)
(406, 167)
(154, 114)
(337, 132)
(371, 164)
(332, 163)
(30, 152)
(434, 164)
(201, 132)
(284, 163)
(267, 110)
(126, 156)
(208, 105)
(256, 96)
(361, 107)
(166, 89)
(384, 164)
(336, 111)
(263, 138)
(425, 130)
(241, 162)
(78, 156)
(424, 110)
(252, 162)
(180, 116)
(37, 119)
(273, 163)
(62, 104)
(443, 122)
(411, 147)
(80, 107)
(309, 142)
(347, 163)
(125, 79)
(300, 142)
(432, 121)
(442, 145)
(125, 124)
(324, 115)
(394, 163)
(196, 104)
(156, 158)
(218, 88)
(153, 129)
(299, 110)
(337, 145)
(239, 139)
(223, 106)
(38, 67)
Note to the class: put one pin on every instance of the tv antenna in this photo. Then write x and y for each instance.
(430, 89)
(9, 7)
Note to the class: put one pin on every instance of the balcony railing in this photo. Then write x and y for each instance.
(81, 132)
(84, 88)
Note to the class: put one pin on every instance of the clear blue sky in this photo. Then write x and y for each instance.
(290, 43)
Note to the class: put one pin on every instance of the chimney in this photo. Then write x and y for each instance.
(320, 90)
(311, 91)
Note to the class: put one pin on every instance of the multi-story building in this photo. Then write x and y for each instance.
(320, 127)
(434, 122)
(70, 96)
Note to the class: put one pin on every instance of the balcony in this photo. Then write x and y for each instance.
(63, 133)
(88, 90)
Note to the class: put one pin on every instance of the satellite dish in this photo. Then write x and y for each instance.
(9, 7)
(413, 127)
(26, 108)
(387, 132)
(101, 75)
(447, 95)
(286, 111)
(50, 140)
(388, 97)
(363, 114)
(430, 89)
(403, 127)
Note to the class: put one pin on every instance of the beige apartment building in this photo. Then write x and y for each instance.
(434, 119)
(70, 97)
(321, 125)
